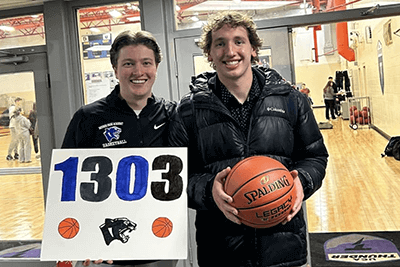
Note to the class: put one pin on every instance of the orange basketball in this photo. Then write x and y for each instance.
(68, 228)
(262, 190)
(162, 227)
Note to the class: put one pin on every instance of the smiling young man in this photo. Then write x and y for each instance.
(234, 113)
(130, 116)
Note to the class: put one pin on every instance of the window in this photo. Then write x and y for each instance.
(22, 31)
(194, 13)
(98, 26)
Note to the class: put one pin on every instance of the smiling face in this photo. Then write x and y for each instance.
(136, 71)
(231, 53)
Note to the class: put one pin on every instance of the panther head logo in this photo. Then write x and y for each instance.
(117, 229)
(112, 133)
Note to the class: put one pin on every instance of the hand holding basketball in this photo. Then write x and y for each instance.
(299, 196)
(222, 199)
(263, 191)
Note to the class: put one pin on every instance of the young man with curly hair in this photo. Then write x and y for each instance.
(233, 113)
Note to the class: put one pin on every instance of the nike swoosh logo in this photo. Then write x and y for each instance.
(156, 127)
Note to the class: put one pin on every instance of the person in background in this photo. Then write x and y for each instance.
(140, 118)
(330, 79)
(329, 96)
(234, 113)
(306, 91)
(337, 99)
(34, 131)
(13, 146)
(22, 126)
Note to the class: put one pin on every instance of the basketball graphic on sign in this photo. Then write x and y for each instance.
(162, 227)
(68, 228)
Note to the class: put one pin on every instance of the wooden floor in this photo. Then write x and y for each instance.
(21, 198)
(361, 189)
(360, 192)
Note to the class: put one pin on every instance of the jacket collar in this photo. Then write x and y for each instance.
(269, 79)
(116, 101)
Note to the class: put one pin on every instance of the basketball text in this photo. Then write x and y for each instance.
(267, 189)
(275, 212)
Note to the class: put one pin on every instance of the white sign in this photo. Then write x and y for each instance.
(117, 204)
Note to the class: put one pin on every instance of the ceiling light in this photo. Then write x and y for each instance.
(94, 30)
(7, 28)
(177, 8)
(135, 8)
(133, 18)
(115, 13)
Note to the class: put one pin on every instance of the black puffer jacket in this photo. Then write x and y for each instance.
(282, 126)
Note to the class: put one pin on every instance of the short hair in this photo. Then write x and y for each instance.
(17, 112)
(18, 99)
(233, 19)
(330, 77)
(128, 37)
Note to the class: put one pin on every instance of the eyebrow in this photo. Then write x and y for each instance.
(142, 59)
(223, 38)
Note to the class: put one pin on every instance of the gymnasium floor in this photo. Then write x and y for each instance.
(360, 191)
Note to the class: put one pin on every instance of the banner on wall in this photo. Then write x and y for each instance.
(96, 46)
(380, 66)
(118, 204)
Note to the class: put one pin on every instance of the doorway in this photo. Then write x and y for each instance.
(24, 77)
(276, 50)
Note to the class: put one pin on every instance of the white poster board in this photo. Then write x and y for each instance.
(128, 203)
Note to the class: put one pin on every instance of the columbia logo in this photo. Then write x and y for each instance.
(275, 109)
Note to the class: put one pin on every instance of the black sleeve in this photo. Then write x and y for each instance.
(73, 135)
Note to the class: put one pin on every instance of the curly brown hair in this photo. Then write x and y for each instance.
(134, 38)
(233, 19)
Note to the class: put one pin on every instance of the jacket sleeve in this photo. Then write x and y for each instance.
(73, 135)
(199, 182)
(310, 156)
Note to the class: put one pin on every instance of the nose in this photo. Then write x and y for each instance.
(229, 49)
(137, 70)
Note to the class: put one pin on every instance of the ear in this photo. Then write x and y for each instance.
(253, 52)
(210, 59)
(116, 73)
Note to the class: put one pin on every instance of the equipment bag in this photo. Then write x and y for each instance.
(393, 148)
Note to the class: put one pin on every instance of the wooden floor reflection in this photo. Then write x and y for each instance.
(360, 191)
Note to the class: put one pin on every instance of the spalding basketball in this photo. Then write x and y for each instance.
(262, 190)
